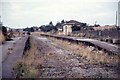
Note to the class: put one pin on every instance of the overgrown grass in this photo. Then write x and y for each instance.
(24, 68)
(2, 38)
(95, 56)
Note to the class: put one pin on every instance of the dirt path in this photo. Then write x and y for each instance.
(59, 63)
(12, 58)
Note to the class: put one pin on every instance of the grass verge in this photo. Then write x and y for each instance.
(2, 38)
(24, 67)
(94, 56)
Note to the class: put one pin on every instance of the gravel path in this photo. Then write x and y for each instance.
(60, 63)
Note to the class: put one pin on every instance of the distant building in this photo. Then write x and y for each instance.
(72, 25)
(107, 27)
(20, 30)
(67, 29)
(8, 29)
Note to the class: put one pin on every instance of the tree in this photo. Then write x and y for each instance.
(10, 34)
(96, 25)
(50, 24)
(62, 21)
(4, 30)
(32, 29)
(58, 24)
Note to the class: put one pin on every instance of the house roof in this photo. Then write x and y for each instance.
(72, 22)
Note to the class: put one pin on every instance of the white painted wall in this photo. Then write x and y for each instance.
(67, 29)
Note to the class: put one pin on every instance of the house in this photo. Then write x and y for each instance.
(67, 29)
(72, 25)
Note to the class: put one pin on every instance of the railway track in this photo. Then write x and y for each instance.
(100, 45)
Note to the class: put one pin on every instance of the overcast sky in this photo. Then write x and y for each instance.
(27, 13)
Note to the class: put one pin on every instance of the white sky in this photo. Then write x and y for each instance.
(27, 13)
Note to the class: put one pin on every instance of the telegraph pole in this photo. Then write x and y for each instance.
(116, 18)
(118, 14)
(0, 22)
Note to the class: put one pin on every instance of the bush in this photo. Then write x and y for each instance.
(21, 69)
